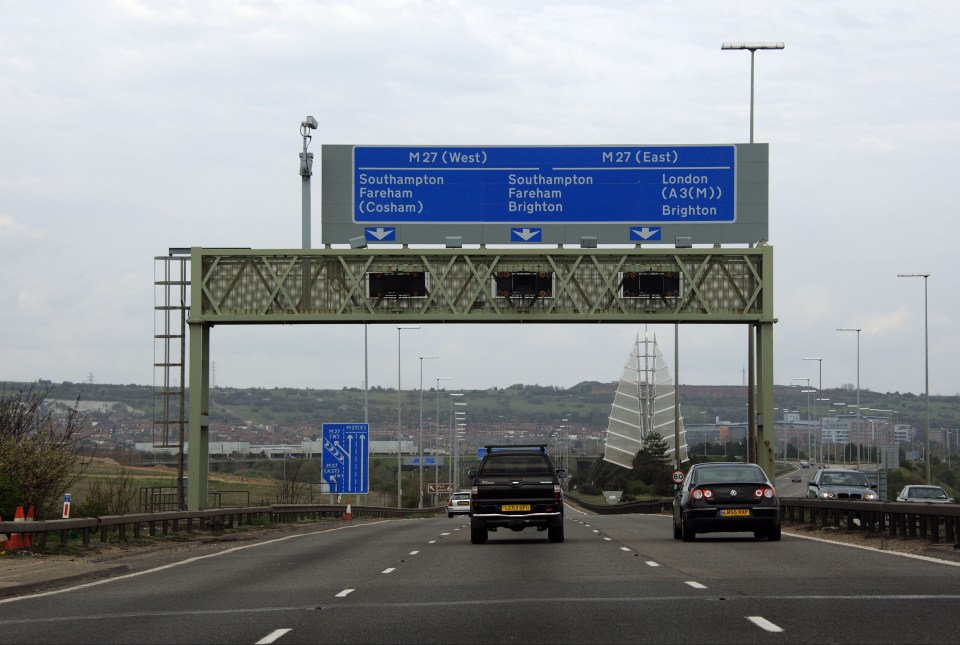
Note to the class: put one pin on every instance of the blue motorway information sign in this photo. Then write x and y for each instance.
(584, 184)
(346, 457)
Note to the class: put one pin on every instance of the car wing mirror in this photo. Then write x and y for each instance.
(471, 474)
(561, 473)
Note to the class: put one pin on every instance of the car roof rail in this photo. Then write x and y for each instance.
(542, 447)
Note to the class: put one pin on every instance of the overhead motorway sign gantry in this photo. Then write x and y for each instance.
(665, 194)
(346, 457)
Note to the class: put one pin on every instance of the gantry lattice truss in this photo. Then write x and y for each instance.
(720, 285)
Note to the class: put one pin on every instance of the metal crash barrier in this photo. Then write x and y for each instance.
(125, 527)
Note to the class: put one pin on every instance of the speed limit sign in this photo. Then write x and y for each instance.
(677, 476)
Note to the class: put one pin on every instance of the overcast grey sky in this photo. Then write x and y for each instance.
(129, 127)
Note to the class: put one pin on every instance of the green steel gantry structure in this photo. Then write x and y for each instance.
(462, 285)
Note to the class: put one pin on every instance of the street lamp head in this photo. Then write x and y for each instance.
(423, 357)
(811, 359)
(856, 329)
(751, 46)
(913, 275)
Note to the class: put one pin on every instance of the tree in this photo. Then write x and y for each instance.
(651, 463)
(40, 450)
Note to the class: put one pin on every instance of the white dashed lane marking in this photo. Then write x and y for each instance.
(345, 593)
(764, 624)
(272, 636)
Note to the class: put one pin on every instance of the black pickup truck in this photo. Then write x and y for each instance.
(516, 487)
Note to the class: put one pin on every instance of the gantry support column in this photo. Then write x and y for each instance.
(198, 448)
(766, 417)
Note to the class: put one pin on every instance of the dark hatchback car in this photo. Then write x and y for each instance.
(719, 497)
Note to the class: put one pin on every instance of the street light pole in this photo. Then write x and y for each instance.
(817, 407)
(436, 441)
(399, 419)
(752, 48)
(751, 386)
(806, 391)
(456, 463)
(926, 372)
(420, 460)
(452, 430)
(859, 430)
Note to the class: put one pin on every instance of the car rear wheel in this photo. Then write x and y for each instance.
(774, 534)
(676, 531)
(686, 532)
(555, 533)
(478, 532)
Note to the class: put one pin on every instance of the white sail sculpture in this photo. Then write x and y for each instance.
(644, 403)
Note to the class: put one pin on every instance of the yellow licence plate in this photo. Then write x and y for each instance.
(514, 507)
(735, 512)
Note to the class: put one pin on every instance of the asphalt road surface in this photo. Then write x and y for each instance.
(616, 579)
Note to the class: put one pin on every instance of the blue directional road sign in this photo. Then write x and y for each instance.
(520, 185)
(346, 457)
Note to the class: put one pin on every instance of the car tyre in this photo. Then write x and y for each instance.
(774, 534)
(677, 534)
(555, 532)
(686, 532)
(478, 532)
(449, 515)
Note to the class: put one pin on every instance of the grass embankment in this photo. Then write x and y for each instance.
(237, 489)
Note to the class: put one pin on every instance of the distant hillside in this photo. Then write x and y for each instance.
(586, 405)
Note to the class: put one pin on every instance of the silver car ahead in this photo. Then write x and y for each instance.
(927, 494)
(458, 504)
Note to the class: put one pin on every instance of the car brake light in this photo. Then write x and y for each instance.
(701, 493)
(764, 492)
(557, 493)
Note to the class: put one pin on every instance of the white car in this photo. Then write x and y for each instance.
(459, 503)
(928, 494)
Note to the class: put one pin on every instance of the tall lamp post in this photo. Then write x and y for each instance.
(926, 372)
(461, 422)
(399, 419)
(453, 396)
(817, 407)
(751, 388)
(752, 48)
(420, 460)
(806, 390)
(436, 441)
(859, 430)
